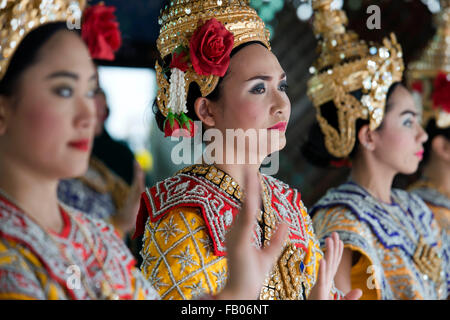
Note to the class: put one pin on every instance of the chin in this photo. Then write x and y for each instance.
(410, 169)
(74, 169)
(280, 146)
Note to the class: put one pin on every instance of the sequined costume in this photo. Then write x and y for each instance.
(439, 204)
(387, 237)
(37, 265)
(189, 214)
(100, 193)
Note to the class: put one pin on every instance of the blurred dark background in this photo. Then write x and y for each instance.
(294, 44)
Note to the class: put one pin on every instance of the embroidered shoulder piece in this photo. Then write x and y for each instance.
(386, 229)
(288, 205)
(16, 226)
(432, 196)
(218, 200)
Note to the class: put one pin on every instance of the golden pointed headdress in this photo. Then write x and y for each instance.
(179, 21)
(434, 63)
(346, 64)
(20, 17)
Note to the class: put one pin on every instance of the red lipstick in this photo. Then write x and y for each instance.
(419, 154)
(82, 145)
(279, 126)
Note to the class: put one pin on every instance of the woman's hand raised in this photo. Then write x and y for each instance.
(248, 265)
(328, 267)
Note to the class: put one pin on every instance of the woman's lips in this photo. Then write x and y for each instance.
(419, 154)
(279, 126)
(82, 145)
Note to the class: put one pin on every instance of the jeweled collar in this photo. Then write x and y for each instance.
(216, 176)
(369, 210)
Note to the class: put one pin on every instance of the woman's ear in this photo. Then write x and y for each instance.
(366, 137)
(203, 109)
(4, 112)
(441, 147)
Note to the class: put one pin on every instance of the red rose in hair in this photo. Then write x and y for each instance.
(417, 86)
(210, 48)
(100, 31)
(179, 60)
(441, 92)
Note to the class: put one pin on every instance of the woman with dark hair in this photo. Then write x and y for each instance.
(47, 120)
(429, 79)
(392, 247)
(433, 185)
(218, 68)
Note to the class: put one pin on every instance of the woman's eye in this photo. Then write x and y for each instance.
(259, 89)
(63, 92)
(408, 123)
(91, 93)
(283, 87)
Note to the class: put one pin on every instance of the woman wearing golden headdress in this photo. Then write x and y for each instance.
(366, 117)
(217, 67)
(429, 78)
(47, 119)
(103, 191)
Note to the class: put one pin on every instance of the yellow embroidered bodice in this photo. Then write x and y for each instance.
(183, 251)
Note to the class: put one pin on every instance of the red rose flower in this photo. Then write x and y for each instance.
(179, 60)
(210, 47)
(441, 92)
(417, 86)
(100, 31)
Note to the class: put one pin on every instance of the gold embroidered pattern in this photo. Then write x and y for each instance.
(346, 64)
(180, 19)
(19, 17)
(216, 176)
(182, 264)
(434, 59)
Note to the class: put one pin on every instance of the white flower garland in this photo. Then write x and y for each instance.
(177, 92)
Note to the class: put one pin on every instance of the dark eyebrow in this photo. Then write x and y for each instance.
(68, 74)
(64, 74)
(265, 78)
(414, 114)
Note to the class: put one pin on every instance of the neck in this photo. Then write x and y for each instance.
(438, 173)
(32, 193)
(374, 178)
(237, 171)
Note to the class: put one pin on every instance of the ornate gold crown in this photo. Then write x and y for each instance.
(435, 59)
(20, 17)
(346, 64)
(178, 23)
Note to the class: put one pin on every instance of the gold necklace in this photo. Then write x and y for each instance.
(425, 257)
(105, 286)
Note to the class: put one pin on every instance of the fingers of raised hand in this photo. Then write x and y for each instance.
(242, 228)
(333, 254)
(355, 294)
(272, 251)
